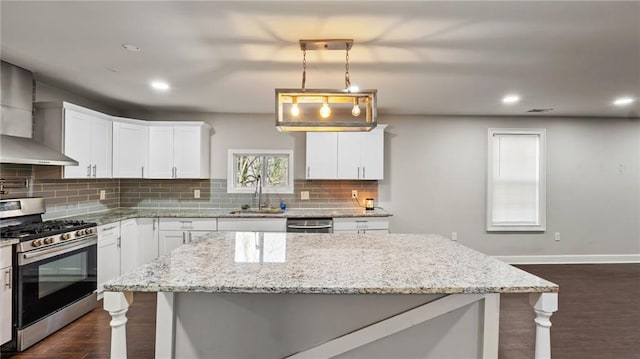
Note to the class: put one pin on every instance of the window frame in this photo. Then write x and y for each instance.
(523, 226)
(231, 153)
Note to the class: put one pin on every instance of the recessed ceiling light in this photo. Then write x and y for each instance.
(510, 99)
(160, 85)
(132, 48)
(622, 101)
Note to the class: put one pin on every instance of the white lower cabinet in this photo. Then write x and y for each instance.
(108, 253)
(174, 232)
(139, 243)
(6, 318)
(361, 225)
(253, 224)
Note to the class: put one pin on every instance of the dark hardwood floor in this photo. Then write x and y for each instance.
(598, 317)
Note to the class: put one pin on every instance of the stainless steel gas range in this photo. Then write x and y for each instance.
(54, 266)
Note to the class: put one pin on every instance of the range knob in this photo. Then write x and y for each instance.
(88, 231)
(80, 232)
(65, 236)
(37, 243)
(48, 240)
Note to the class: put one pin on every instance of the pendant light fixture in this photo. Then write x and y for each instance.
(323, 109)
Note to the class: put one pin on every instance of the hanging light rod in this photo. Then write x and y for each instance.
(325, 109)
(341, 44)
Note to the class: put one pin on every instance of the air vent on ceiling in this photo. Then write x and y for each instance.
(540, 110)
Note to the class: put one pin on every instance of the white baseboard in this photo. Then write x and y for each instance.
(571, 259)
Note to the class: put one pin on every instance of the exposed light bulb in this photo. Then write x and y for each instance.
(325, 110)
(355, 111)
(295, 110)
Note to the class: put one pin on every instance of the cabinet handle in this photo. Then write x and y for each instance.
(190, 237)
(154, 224)
(94, 170)
(7, 278)
(308, 171)
(184, 238)
(89, 171)
(363, 175)
(175, 175)
(119, 242)
(142, 174)
(358, 172)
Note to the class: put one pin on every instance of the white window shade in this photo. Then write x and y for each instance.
(516, 180)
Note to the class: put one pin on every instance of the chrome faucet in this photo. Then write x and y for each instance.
(259, 190)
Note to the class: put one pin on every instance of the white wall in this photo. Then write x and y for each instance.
(436, 176)
(48, 93)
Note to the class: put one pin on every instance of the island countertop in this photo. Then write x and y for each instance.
(255, 262)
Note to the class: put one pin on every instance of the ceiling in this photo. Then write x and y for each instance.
(436, 58)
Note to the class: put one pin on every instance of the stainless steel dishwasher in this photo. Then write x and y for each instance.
(310, 225)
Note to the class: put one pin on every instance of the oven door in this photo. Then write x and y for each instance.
(52, 278)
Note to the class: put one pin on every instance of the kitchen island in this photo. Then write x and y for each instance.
(276, 295)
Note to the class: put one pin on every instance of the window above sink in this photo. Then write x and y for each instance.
(274, 168)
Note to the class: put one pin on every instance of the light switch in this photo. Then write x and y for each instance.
(196, 193)
(304, 195)
(103, 194)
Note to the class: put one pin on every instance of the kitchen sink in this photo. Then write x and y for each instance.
(270, 210)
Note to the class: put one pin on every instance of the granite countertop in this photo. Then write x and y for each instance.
(120, 214)
(254, 262)
(8, 241)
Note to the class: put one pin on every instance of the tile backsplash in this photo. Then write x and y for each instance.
(213, 194)
(68, 197)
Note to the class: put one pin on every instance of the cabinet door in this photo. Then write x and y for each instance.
(186, 151)
(147, 240)
(77, 144)
(349, 147)
(5, 304)
(108, 260)
(130, 149)
(170, 240)
(129, 245)
(372, 154)
(160, 152)
(322, 155)
(101, 147)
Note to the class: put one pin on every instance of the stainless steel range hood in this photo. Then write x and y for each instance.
(16, 146)
(24, 150)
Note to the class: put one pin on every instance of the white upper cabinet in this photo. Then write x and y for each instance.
(179, 150)
(322, 155)
(130, 149)
(346, 155)
(82, 134)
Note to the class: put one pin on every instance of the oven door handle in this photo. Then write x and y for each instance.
(38, 255)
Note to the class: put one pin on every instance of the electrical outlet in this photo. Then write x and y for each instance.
(196, 193)
(103, 194)
(304, 195)
(557, 236)
(454, 236)
(354, 193)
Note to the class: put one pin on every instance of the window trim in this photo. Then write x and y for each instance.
(231, 170)
(542, 183)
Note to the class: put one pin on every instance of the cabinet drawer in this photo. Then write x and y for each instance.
(355, 223)
(252, 224)
(188, 224)
(5, 256)
(109, 230)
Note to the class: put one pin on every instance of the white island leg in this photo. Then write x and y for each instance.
(117, 304)
(544, 305)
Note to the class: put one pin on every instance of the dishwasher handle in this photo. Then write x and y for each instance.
(296, 226)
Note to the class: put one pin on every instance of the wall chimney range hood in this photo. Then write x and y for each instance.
(23, 150)
(16, 102)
